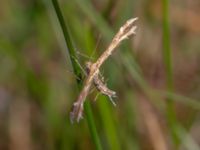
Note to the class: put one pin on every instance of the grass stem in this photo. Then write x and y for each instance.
(77, 71)
(169, 71)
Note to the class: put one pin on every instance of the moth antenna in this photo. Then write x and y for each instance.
(97, 45)
(83, 55)
(80, 66)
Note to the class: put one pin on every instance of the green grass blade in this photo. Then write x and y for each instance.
(186, 140)
(168, 69)
(193, 103)
(108, 123)
(77, 71)
(91, 125)
(72, 52)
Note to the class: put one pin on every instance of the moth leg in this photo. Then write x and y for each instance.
(97, 96)
(112, 101)
(92, 90)
(84, 72)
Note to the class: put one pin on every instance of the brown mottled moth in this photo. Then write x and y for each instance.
(93, 74)
(100, 85)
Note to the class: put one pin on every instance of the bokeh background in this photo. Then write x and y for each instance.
(156, 75)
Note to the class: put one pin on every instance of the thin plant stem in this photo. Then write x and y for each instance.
(169, 71)
(77, 71)
(71, 49)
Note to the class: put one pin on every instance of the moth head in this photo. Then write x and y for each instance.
(88, 66)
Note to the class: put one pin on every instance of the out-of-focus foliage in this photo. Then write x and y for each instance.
(38, 86)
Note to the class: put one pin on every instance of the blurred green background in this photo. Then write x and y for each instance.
(156, 75)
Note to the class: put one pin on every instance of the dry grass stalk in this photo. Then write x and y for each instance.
(153, 124)
(124, 32)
